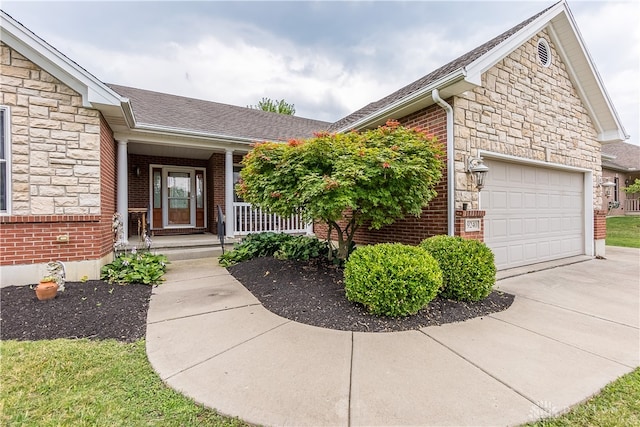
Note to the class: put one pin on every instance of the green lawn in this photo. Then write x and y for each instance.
(623, 231)
(617, 405)
(89, 383)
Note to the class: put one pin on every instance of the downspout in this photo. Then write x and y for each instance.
(451, 173)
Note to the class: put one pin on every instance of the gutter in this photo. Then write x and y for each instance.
(451, 182)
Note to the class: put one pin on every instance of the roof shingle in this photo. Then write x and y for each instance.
(164, 110)
(627, 156)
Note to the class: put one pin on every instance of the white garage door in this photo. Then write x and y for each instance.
(533, 214)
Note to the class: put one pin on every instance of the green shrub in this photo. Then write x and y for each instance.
(135, 267)
(392, 279)
(254, 246)
(468, 268)
(302, 248)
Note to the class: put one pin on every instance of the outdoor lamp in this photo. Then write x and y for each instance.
(478, 171)
(607, 185)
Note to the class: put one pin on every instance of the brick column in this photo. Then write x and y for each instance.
(470, 224)
(599, 231)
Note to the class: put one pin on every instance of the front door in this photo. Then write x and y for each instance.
(179, 201)
(177, 197)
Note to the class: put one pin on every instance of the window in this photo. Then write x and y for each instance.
(5, 161)
(616, 189)
(236, 180)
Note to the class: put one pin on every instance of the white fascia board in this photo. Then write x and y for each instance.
(614, 135)
(449, 79)
(489, 59)
(55, 63)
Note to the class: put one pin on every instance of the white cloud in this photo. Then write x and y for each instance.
(333, 68)
(611, 32)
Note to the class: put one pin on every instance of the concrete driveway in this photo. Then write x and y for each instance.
(570, 331)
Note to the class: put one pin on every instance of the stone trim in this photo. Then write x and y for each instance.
(16, 219)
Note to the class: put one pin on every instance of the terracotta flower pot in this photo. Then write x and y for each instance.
(46, 290)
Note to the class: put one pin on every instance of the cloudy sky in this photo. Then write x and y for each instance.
(327, 58)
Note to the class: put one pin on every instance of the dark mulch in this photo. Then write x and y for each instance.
(307, 292)
(313, 293)
(93, 309)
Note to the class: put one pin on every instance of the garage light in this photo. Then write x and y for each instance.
(478, 171)
(607, 185)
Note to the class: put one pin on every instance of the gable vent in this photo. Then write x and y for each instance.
(544, 53)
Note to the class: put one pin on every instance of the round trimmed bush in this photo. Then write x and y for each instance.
(392, 279)
(468, 267)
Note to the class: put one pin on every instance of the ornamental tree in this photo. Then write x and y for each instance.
(633, 188)
(345, 180)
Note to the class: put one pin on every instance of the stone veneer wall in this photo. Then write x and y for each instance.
(55, 142)
(525, 110)
(56, 174)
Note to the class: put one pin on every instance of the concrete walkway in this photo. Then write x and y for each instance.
(570, 331)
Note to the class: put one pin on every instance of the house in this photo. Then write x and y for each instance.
(527, 104)
(621, 166)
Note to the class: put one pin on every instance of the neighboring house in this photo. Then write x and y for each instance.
(528, 102)
(621, 166)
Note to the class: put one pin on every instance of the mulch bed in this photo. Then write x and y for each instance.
(308, 292)
(313, 293)
(93, 309)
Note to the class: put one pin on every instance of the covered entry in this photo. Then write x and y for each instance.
(533, 213)
(178, 197)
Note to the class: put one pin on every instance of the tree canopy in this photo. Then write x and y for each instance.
(344, 180)
(275, 106)
(633, 188)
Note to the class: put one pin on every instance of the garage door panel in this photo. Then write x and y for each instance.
(555, 201)
(535, 215)
(499, 199)
(541, 176)
(515, 200)
(515, 227)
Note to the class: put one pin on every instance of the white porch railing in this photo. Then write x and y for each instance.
(632, 205)
(249, 219)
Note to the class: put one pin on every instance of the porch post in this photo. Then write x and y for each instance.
(228, 193)
(122, 189)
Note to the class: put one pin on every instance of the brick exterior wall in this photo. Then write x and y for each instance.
(525, 110)
(216, 184)
(58, 180)
(599, 224)
(461, 216)
(108, 156)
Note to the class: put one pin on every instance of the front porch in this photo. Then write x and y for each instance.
(632, 207)
(170, 191)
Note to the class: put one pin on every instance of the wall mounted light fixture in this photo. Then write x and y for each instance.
(608, 186)
(478, 171)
